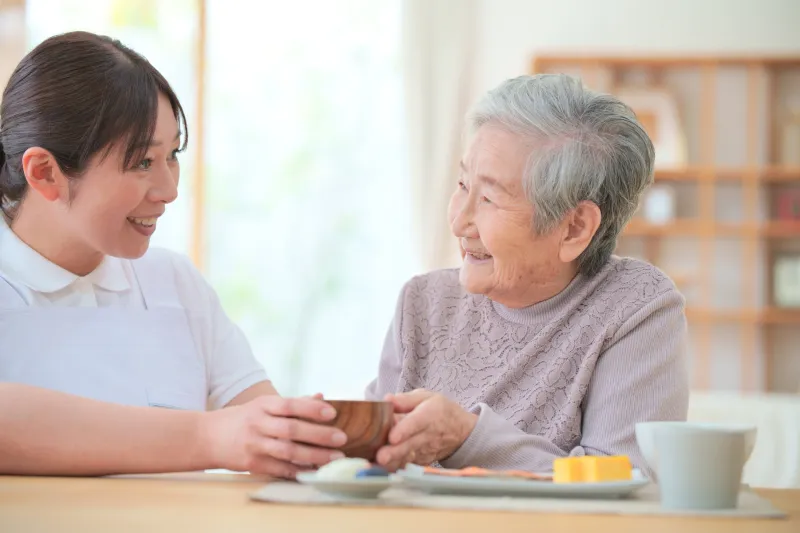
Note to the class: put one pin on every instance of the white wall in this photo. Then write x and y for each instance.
(12, 41)
(511, 31)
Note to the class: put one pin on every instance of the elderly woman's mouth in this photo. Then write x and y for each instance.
(477, 257)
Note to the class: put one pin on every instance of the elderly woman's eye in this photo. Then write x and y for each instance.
(486, 200)
(462, 185)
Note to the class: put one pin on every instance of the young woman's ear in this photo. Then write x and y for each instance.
(43, 175)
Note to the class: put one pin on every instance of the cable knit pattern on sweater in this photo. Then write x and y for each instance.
(568, 376)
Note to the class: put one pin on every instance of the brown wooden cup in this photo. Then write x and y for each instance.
(366, 425)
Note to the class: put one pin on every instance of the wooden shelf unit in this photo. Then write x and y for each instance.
(767, 315)
(756, 176)
(766, 174)
(704, 228)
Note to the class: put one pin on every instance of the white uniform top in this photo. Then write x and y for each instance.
(145, 332)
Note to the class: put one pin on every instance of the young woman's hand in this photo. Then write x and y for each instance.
(272, 435)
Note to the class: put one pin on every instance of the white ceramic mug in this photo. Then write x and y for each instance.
(697, 465)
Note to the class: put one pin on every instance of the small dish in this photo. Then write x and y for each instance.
(366, 487)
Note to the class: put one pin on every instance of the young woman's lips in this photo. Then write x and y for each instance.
(145, 226)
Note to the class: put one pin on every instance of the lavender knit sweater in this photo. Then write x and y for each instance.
(567, 376)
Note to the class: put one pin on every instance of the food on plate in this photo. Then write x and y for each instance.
(342, 469)
(592, 469)
(373, 471)
(565, 470)
(474, 471)
(348, 469)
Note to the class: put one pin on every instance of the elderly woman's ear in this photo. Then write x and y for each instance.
(577, 229)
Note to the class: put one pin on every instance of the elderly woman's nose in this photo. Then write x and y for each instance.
(463, 224)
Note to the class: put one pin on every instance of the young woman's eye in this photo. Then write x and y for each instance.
(174, 154)
(144, 164)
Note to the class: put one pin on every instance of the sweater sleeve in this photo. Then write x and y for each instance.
(641, 376)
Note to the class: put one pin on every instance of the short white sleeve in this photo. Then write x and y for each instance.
(230, 365)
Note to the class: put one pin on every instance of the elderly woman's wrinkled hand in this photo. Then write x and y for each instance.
(430, 428)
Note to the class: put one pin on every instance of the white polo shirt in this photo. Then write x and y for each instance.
(228, 359)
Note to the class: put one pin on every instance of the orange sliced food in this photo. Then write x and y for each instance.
(474, 471)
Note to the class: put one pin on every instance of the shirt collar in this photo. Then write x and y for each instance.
(110, 275)
(21, 263)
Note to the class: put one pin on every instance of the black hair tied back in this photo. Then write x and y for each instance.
(3, 174)
(10, 192)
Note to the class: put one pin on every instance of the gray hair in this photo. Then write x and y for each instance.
(588, 146)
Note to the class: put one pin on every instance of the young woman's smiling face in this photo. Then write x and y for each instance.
(115, 210)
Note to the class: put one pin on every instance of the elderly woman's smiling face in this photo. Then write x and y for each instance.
(489, 213)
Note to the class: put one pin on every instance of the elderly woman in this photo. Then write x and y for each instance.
(542, 344)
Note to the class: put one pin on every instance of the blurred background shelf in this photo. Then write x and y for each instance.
(767, 174)
(700, 228)
(725, 205)
(771, 315)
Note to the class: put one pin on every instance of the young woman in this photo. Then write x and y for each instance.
(111, 352)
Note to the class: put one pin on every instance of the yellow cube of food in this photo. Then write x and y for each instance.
(591, 469)
(568, 470)
(615, 468)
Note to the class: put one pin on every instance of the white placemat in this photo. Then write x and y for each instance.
(643, 502)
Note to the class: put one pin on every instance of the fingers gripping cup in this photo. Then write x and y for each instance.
(366, 425)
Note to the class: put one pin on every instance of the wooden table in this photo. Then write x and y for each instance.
(215, 502)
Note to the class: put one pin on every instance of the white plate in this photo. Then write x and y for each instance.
(474, 486)
(367, 487)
